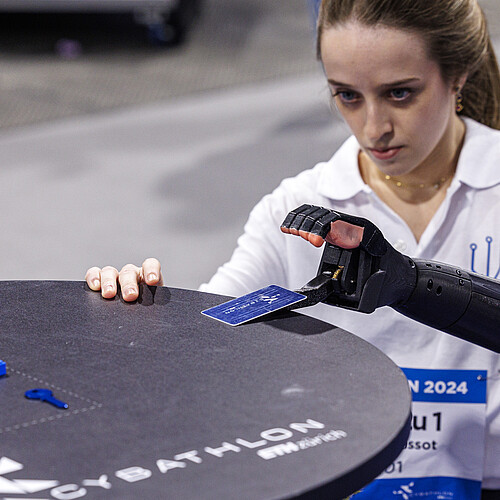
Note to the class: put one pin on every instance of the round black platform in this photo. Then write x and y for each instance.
(167, 403)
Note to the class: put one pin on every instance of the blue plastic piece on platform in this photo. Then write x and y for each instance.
(45, 395)
(3, 368)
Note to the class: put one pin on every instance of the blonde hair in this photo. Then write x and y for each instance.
(457, 38)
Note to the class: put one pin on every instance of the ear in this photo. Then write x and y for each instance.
(460, 82)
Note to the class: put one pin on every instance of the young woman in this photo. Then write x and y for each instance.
(419, 86)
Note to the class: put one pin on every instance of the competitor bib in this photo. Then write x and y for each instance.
(443, 458)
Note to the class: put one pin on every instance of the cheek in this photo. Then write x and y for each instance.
(353, 119)
(428, 123)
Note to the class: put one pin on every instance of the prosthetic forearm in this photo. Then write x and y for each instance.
(454, 301)
(374, 274)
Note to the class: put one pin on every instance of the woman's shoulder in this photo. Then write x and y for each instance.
(480, 135)
(478, 161)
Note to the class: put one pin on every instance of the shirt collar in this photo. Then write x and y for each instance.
(479, 161)
(478, 164)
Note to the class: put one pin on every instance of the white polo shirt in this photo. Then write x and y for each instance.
(465, 231)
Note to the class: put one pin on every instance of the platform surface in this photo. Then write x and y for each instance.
(167, 403)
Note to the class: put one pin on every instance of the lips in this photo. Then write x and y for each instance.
(385, 153)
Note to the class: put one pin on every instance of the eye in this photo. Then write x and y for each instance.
(347, 96)
(400, 94)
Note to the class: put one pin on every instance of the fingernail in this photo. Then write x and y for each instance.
(96, 283)
(129, 291)
(108, 287)
(152, 277)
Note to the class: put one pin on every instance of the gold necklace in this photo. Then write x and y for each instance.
(418, 185)
(368, 173)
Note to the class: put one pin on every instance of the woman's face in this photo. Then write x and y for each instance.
(390, 93)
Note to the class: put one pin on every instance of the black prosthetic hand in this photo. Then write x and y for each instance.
(364, 278)
(375, 274)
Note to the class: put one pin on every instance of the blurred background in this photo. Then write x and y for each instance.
(131, 133)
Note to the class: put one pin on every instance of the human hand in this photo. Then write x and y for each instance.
(106, 279)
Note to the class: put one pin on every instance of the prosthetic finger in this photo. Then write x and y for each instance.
(318, 220)
(310, 219)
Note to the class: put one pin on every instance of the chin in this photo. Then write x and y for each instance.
(395, 170)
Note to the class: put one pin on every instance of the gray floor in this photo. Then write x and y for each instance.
(173, 180)
(131, 151)
(233, 42)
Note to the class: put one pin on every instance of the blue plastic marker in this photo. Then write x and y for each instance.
(3, 368)
(45, 395)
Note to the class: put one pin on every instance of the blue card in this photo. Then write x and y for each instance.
(254, 305)
(3, 368)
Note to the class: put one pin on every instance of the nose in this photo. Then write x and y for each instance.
(378, 123)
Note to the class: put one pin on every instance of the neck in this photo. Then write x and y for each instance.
(429, 178)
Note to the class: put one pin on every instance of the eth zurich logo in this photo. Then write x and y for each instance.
(488, 270)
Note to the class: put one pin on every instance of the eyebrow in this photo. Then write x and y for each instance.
(385, 85)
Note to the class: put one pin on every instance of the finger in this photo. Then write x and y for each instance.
(306, 218)
(315, 239)
(317, 224)
(292, 215)
(345, 235)
(341, 234)
(290, 230)
(93, 278)
(151, 272)
(129, 278)
(109, 287)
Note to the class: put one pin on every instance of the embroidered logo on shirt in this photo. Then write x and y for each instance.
(488, 271)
